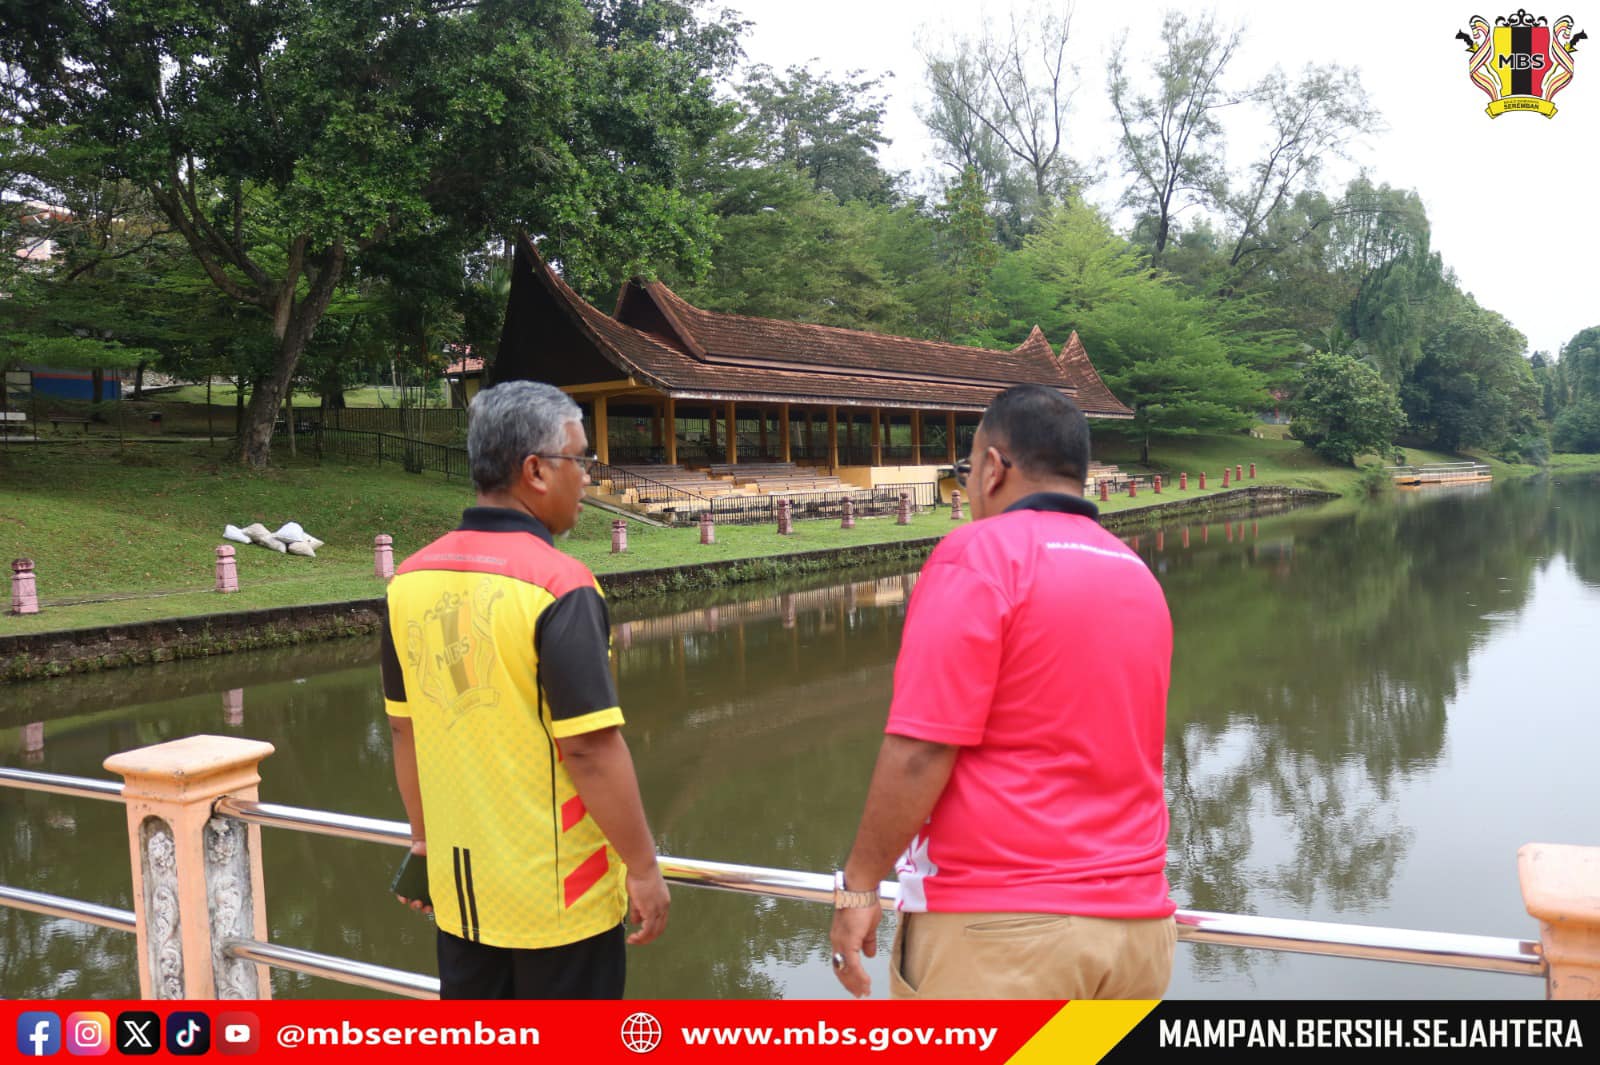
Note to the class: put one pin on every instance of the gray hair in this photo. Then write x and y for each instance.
(511, 421)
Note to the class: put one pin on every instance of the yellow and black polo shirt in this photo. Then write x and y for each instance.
(496, 645)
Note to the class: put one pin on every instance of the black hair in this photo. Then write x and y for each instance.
(1041, 431)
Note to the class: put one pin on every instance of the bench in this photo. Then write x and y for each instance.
(58, 420)
(10, 417)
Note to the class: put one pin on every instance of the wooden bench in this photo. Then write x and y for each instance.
(58, 420)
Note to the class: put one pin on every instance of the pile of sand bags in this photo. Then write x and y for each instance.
(291, 539)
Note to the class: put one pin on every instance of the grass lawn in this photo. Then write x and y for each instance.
(365, 396)
(128, 534)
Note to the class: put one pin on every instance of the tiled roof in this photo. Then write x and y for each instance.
(691, 353)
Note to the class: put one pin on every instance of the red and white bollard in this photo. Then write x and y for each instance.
(1252, 471)
(955, 505)
(708, 528)
(849, 519)
(227, 571)
(383, 556)
(619, 536)
(785, 518)
(1156, 486)
(1183, 482)
(24, 592)
(904, 516)
(1202, 481)
(1105, 490)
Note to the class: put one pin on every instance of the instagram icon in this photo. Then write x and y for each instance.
(88, 1033)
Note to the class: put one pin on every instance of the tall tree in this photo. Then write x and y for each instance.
(1345, 409)
(1310, 120)
(1171, 136)
(830, 130)
(1014, 84)
(281, 138)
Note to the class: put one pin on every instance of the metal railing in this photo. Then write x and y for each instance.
(415, 456)
(1439, 949)
(1439, 472)
(645, 489)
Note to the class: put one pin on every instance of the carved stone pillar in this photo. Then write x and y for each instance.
(197, 878)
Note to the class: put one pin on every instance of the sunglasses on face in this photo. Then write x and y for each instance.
(964, 468)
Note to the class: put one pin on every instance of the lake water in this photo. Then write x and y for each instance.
(1372, 708)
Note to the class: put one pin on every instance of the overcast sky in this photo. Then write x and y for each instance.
(1509, 198)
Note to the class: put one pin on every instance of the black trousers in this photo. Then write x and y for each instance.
(590, 968)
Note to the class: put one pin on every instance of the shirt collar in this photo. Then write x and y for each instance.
(1060, 502)
(503, 520)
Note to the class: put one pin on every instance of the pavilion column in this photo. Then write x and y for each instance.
(783, 431)
(763, 417)
(877, 438)
(670, 431)
(602, 442)
(833, 439)
(733, 435)
(950, 438)
(916, 438)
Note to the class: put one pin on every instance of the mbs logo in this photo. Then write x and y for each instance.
(452, 652)
(1521, 62)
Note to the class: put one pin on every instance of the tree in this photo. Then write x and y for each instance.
(1164, 352)
(1014, 85)
(829, 130)
(282, 138)
(1171, 138)
(1345, 409)
(1310, 121)
(1578, 427)
(1472, 387)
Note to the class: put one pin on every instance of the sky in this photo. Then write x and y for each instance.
(1509, 199)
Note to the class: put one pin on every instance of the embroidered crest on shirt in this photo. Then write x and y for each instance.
(451, 650)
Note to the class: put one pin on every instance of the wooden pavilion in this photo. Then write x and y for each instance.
(666, 383)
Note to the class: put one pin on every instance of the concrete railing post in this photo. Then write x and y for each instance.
(227, 570)
(1252, 471)
(1238, 472)
(708, 528)
(785, 518)
(1561, 888)
(1156, 484)
(1105, 490)
(955, 505)
(196, 878)
(619, 536)
(1202, 481)
(1225, 476)
(383, 556)
(24, 592)
(903, 517)
(1183, 482)
(849, 519)
(1133, 489)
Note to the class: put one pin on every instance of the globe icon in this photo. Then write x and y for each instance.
(641, 1033)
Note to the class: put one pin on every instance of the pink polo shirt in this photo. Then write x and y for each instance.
(1042, 646)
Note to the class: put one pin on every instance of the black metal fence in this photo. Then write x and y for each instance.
(405, 421)
(416, 456)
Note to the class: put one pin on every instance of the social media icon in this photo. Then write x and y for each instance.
(241, 1033)
(188, 1033)
(38, 1034)
(138, 1032)
(88, 1034)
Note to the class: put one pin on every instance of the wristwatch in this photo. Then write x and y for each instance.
(844, 899)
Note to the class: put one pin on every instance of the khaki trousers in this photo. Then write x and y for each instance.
(1030, 955)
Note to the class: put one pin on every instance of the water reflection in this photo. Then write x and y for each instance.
(1372, 708)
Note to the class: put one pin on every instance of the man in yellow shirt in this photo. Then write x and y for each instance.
(507, 744)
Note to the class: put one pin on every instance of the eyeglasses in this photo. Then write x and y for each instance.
(590, 461)
(964, 468)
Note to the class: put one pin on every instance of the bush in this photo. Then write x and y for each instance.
(1578, 428)
(1531, 448)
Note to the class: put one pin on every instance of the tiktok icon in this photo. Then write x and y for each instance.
(188, 1033)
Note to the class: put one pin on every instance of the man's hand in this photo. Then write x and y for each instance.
(648, 902)
(854, 933)
(419, 847)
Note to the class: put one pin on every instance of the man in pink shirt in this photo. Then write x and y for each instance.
(1020, 778)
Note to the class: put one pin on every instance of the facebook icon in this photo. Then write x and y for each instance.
(38, 1034)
